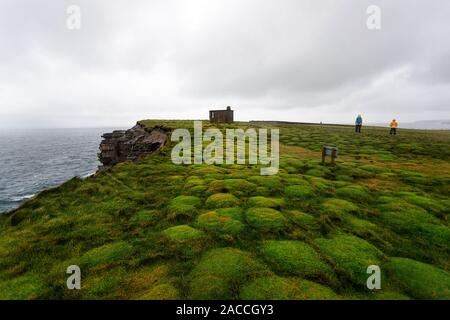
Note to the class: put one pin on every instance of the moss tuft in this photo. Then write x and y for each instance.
(220, 272)
(239, 187)
(107, 254)
(354, 192)
(277, 288)
(183, 233)
(184, 206)
(271, 183)
(218, 224)
(298, 192)
(350, 255)
(301, 218)
(145, 218)
(412, 177)
(414, 222)
(339, 207)
(187, 200)
(222, 200)
(25, 287)
(162, 291)
(235, 213)
(296, 257)
(264, 202)
(374, 169)
(210, 287)
(266, 219)
(427, 203)
(420, 280)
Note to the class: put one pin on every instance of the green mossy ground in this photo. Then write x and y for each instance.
(221, 200)
(224, 268)
(296, 258)
(266, 219)
(420, 280)
(182, 233)
(220, 224)
(184, 206)
(155, 230)
(106, 254)
(264, 202)
(277, 288)
(350, 255)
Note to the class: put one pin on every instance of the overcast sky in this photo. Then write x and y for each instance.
(296, 60)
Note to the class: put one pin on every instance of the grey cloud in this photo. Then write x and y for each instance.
(301, 60)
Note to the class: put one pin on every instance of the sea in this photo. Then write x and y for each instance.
(32, 160)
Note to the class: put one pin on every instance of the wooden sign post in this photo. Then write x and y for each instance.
(329, 152)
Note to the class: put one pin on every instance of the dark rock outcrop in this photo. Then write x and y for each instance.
(130, 145)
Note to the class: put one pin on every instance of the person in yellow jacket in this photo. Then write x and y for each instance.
(394, 126)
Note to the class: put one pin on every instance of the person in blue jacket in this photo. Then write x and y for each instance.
(358, 123)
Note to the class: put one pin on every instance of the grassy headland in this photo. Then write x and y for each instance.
(155, 230)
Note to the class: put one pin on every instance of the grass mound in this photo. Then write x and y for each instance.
(184, 206)
(199, 190)
(298, 192)
(350, 255)
(144, 279)
(431, 205)
(239, 187)
(317, 172)
(193, 181)
(163, 291)
(353, 171)
(105, 284)
(277, 288)
(107, 254)
(219, 224)
(360, 226)
(216, 186)
(187, 200)
(420, 280)
(374, 169)
(235, 213)
(343, 177)
(301, 218)
(339, 207)
(412, 177)
(222, 200)
(266, 219)
(271, 183)
(183, 233)
(354, 193)
(220, 273)
(415, 223)
(295, 257)
(322, 185)
(25, 287)
(145, 218)
(211, 287)
(264, 202)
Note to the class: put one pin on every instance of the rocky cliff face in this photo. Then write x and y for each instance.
(129, 145)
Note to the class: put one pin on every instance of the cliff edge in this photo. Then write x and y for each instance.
(130, 145)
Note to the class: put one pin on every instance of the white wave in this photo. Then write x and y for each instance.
(87, 175)
(21, 198)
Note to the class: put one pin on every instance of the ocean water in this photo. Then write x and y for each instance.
(36, 159)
